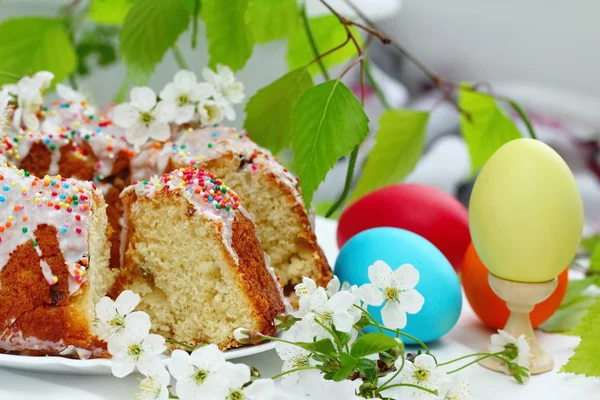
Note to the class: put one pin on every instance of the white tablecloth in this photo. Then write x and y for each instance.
(468, 336)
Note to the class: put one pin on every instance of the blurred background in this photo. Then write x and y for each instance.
(541, 53)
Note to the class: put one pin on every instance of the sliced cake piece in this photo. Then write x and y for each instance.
(191, 253)
(54, 256)
(266, 188)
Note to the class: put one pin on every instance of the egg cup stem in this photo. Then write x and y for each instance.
(521, 298)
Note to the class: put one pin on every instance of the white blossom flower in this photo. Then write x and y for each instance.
(423, 372)
(333, 286)
(458, 389)
(43, 79)
(518, 348)
(197, 374)
(241, 335)
(29, 103)
(184, 93)
(230, 90)
(144, 118)
(69, 94)
(210, 112)
(331, 310)
(235, 376)
(114, 318)
(320, 388)
(155, 385)
(294, 357)
(136, 348)
(397, 289)
(4, 110)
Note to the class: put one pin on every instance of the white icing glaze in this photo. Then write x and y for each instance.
(28, 201)
(16, 342)
(209, 196)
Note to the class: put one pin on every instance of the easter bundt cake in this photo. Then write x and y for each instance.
(54, 257)
(266, 188)
(191, 253)
(93, 148)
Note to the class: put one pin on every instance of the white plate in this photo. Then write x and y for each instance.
(98, 366)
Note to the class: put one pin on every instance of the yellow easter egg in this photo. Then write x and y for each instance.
(525, 213)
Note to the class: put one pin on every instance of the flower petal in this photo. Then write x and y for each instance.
(405, 277)
(208, 356)
(185, 78)
(180, 364)
(143, 98)
(333, 286)
(121, 367)
(260, 389)
(169, 93)
(341, 301)
(425, 361)
(184, 114)
(236, 375)
(343, 321)
(105, 309)
(159, 131)
(154, 344)
(203, 91)
(137, 325)
(370, 294)
(411, 301)
(125, 115)
(210, 76)
(393, 316)
(127, 302)
(380, 274)
(164, 111)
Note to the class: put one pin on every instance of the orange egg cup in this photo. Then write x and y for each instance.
(490, 308)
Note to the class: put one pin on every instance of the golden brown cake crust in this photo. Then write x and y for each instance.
(323, 273)
(259, 286)
(38, 311)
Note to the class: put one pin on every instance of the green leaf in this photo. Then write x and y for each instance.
(110, 12)
(566, 320)
(328, 33)
(488, 129)
(97, 45)
(348, 365)
(398, 147)
(32, 44)
(373, 343)
(190, 5)
(368, 368)
(229, 38)
(589, 243)
(572, 309)
(327, 123)
(585, 360)
(323, 346)
(272, 19)
(269, 111)
(595, 258)
(151, 27)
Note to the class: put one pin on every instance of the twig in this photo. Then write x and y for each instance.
(313, 43)
(195, 23)
(328, 52)
(347, 183)
(180, 58)
(354, 153)
(445, 86)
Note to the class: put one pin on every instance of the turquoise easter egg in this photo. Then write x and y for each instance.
(438, 283)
